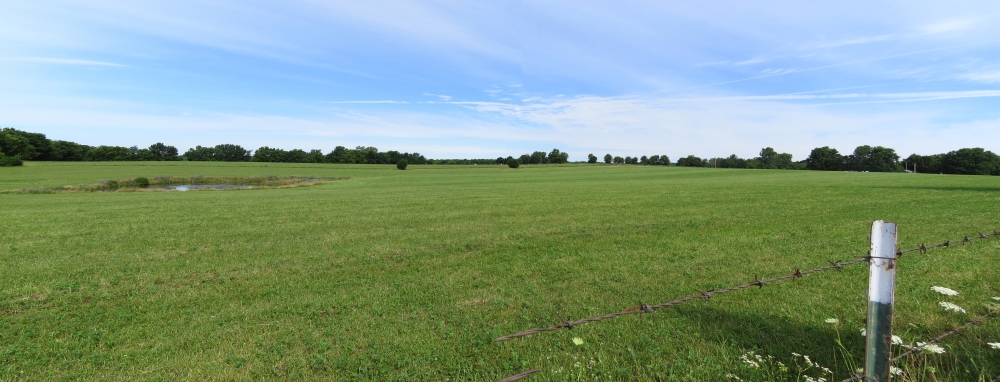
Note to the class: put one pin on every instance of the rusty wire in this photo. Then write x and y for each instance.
(520, 376)
(706, 295)
(933, 341)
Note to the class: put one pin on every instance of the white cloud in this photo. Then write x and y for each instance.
(442, 97)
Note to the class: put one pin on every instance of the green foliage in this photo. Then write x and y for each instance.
(68, 151)
(692, 161)
(10, 161)
(109, 153)
(161, 152)
(15, 144)
(974, 161)
(619, 160)
(874, 159)
(141, 182)
(513, 163)
(770, 159)
(732, 161)
(219, 153)
(557, 156)
(402, 164)
(538, 157)
(608, 158)
(924, 163)
(825, 159)
(591, 158)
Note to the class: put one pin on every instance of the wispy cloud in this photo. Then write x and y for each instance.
(982, 77)
(367, 102)
(64, 61)
(949, 26)
(855, 41)
(442, 97)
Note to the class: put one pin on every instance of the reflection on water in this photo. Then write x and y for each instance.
(185, 187)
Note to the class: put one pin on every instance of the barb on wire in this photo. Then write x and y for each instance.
(642, 308)
(932, 341)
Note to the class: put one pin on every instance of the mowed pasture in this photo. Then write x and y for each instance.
(410, 275)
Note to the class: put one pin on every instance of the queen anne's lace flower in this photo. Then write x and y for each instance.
(944, 291)
(896, 340)
(995, 345)
(895, 370)
(952, 307)
(930, 348)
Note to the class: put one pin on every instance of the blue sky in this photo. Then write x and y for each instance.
(484, 79)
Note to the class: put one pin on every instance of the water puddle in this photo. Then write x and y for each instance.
(186, 187)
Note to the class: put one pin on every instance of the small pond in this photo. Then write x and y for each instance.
(185, 187)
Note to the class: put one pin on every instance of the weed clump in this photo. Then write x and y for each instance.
(142, 182)
(402, 164)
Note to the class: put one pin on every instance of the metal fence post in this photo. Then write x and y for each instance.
(881, 295)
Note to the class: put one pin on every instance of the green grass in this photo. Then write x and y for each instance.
(409, 275)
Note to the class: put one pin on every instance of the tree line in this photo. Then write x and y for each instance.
(17, 146)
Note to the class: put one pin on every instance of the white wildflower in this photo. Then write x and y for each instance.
(931, 348)
(864, 332)
(952, 307)
(808, 361)
(944, 291)
(995, 345)
(896, 340)
(577, 341)
(895, 370)
(749, 361)
(997, 298)
(730, 376)
(833, 321)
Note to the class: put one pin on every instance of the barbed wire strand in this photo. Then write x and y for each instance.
(933, 341)
(706, 295)
(520, 376)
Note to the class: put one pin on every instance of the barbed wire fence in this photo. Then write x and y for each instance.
(933, 341)
(642, 308)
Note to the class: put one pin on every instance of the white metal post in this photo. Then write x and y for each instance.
(881, 296)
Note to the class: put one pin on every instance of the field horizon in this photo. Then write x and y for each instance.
(410, 275)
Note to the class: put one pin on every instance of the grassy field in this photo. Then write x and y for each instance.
(409, 275)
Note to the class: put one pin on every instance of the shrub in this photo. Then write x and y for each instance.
(142, 182)
(513, 163)
(10, 161)
(112, 184)
(402, 164)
